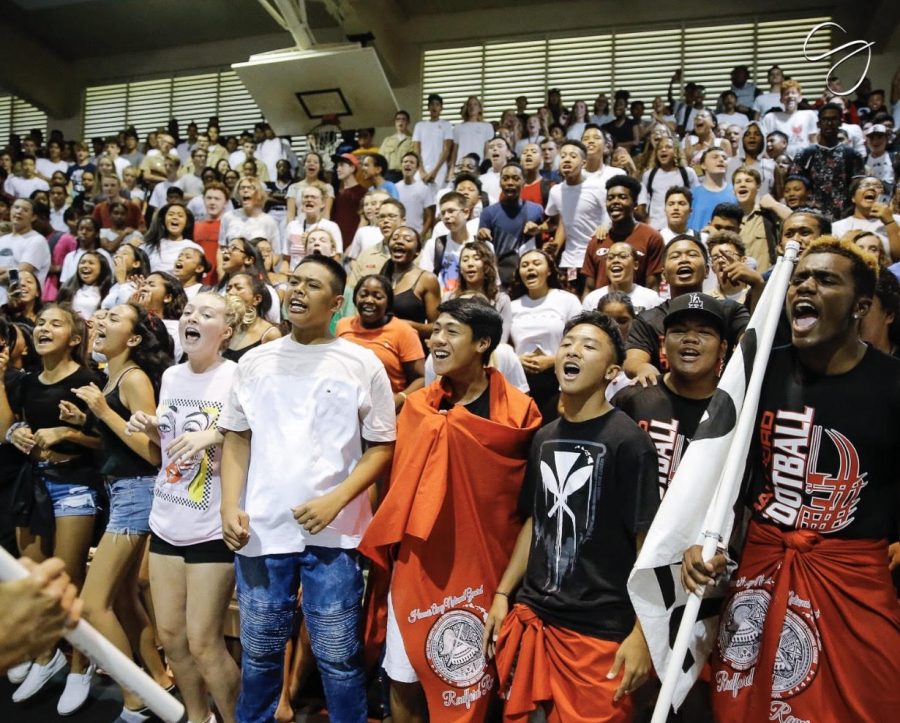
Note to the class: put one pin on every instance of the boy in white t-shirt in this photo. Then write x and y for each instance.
(309, 426)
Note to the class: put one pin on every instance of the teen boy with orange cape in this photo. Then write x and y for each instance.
(571, 644)
(449, 521)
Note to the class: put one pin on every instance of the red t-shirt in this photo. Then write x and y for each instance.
(345, 211)
(532, 192)
(206, 233)
(644, 239)
(134, 220)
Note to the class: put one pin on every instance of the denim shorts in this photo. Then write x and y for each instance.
(71, 500)
(130, 499)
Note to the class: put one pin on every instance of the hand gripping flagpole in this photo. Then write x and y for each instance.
(732, 471)
(122, 668)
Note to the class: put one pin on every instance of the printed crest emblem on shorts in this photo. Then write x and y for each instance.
(453, 648)
(740, 638)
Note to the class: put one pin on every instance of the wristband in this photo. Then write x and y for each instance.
(888, 223)
(504, 594)
(12, 428)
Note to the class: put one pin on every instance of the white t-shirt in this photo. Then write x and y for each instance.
(19, 187)
(662, 182)
(797, 126)
(503, 359)
(602, 175)
(767, 101)
(880, 167)
(158, 195)
(365, 238)
(490, 184)
(71, 259)
(470, 137)
(118, 294)
(538, 323)
(197, 207)
(191, 185)
(575, 131)
(732, 119)
(315, 403)
(416, 197)
(164, 256)
(582, 208)
(86, 301)
(875, 225)
(172, 327)
(46, 167)
(641, 298)
(430, 135)
(270, 151)
(30, 248)
(293, 240)
(260, 226)
(187, 497)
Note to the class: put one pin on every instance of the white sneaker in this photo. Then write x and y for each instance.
(38, 677)
(18, 673)
(77, 690)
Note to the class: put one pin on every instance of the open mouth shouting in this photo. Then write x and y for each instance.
(297, 306)
(804, 315)
(571, 368)
(684, 273)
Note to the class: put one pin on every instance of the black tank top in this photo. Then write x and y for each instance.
(119, 460)
(236, 354)
(408, 306)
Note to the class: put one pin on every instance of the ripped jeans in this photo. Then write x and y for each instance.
(332, 607)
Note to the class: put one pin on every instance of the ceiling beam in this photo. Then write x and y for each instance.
(385, 20)
(37, 75)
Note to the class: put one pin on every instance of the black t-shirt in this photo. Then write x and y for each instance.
(590, 488)
(40, 405)
(480, 407)
(827, 451)
(11, 459)
(647, 332)
(670, 419)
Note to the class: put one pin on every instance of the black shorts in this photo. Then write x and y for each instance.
(213, 551)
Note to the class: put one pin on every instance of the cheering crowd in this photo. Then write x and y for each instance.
(416, 405)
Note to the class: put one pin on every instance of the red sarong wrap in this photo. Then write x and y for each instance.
(811, 632)
(451, 510)
(539, 663)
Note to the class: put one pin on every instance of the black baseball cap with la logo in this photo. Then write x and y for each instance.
(695, 304)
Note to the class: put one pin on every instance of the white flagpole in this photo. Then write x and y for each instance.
(732, 471)
(122, 668)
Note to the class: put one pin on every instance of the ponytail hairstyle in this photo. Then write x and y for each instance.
(258, 288)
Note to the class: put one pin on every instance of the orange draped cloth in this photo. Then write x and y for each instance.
(447, 528)
(539, 663)
(811, 631)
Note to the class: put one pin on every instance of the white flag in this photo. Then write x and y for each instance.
(686, 510)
